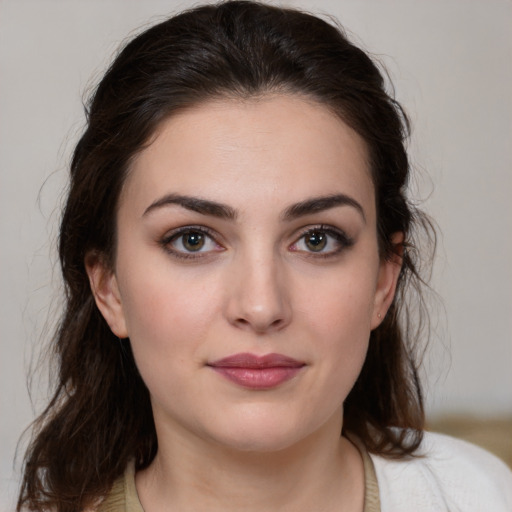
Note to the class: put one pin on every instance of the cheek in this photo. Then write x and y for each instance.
(167, 326)
(337, 316)
(167, 315)
(341, 303)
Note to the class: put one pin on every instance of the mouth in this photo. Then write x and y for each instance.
(257, 372)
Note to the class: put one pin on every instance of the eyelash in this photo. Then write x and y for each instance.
(180, 232)
(341, 238)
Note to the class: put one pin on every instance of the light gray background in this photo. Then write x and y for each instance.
(451, 62)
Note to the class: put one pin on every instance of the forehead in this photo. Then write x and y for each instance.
(278, 148)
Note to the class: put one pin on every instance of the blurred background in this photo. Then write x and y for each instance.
(451, 64)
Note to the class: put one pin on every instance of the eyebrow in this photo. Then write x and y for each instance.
(222, 211)
(320, 204)
(196, 204)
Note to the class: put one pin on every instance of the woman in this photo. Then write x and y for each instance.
(235, 246)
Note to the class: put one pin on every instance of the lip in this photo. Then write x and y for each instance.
(257, 372)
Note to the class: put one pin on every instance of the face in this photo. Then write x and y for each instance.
(247, 274)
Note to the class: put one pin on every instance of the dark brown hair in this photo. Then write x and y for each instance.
(100, 415)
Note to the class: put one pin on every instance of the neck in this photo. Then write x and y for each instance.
(322, 472)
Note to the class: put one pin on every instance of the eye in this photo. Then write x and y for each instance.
(316, 241)
(190, 242)
(322, 241)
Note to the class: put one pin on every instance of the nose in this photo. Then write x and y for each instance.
(258, 296)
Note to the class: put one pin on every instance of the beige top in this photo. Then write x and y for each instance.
(371, 486)
(123, 495)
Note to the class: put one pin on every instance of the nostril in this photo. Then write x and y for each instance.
(242, 323)
(259, 325)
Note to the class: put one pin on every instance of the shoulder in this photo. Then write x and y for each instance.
(448, 474)
(115, 500)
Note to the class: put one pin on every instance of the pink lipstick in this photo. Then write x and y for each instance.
(257, 372)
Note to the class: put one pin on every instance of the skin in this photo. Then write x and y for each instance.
(257, 284)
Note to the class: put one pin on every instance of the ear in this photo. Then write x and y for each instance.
(105, 290)
(389, 272)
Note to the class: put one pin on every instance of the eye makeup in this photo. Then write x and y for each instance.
(322, 241)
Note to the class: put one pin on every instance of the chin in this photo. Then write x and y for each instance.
(258, 443)
(262, 434)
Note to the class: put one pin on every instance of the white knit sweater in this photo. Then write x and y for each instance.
(453, 476)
